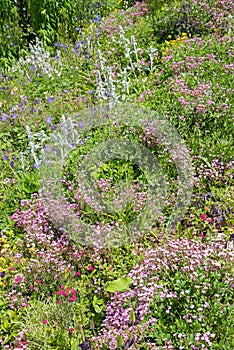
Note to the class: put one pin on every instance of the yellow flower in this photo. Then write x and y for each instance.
(169, 37)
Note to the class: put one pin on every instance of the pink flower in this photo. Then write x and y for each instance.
(78, 273)
(202, 235)
(12, 268)
(59, 302)
(56, 293)
(111, 268)
(91, 268)
(31, 288)
(38, 281)
(44, 321)
(17, 280)
(72, 299)
(71, 330)
(73, 292)
(63, 293)
(203, 216)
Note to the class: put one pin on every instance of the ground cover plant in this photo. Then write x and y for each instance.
(170, 287)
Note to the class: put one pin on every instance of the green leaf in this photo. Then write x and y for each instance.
(97, 309)
(119, 285)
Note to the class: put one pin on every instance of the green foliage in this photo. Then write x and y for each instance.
(119, 285)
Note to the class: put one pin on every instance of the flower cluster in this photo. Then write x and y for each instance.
(171, 278)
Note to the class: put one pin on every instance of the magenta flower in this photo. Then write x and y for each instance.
(31, 288)
(44, 321)
(91, 268)
(63, 293)
(78, 273)
(72, 299)
(17, 280)
(203, 217)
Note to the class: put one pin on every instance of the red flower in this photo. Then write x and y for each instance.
(71, 330)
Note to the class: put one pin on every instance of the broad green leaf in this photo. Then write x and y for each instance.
(119, 285)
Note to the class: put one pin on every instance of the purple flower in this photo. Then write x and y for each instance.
(85, 345)
(12, 164)
(91, 92)
(32, 67)
(53, 127)
(50, 99)
(77, 46)
(14, 115)
(81, 124)
(5, 157)
(5, 116)
(65, 90)
(49, 120)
